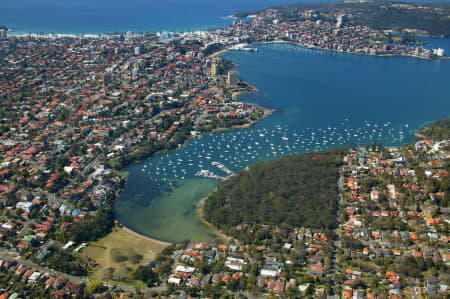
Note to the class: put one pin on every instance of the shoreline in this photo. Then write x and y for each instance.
(200, 214)
(218, 53)
(344, 52)
(419, 135)
(128, 230)
(266, 113)
(56, 35)
(201, 217)
(21, 34)
(329, 50)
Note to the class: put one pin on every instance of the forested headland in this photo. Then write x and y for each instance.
(292, 191)
(438, 130)
(427, 19)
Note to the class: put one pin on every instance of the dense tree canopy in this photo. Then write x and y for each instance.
(213, 48)
(382, 15)
(92, 228)
(292, 191)
(438, 130)
(145, 274)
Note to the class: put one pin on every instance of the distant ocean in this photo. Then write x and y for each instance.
(108, 16)
(323, 100)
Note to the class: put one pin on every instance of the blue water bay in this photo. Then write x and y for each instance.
(322, 100)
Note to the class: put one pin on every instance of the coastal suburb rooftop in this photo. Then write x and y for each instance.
(76, 110)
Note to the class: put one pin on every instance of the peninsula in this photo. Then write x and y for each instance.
(77, 110)
(322, 224)
(399, 17)
(358, 28)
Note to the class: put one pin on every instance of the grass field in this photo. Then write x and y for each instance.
(116, 250)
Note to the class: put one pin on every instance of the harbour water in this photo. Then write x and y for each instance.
(323, 100)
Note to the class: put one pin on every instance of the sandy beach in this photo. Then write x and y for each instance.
(218, 53)
(145, 237)
(418, 135)
(201, 216)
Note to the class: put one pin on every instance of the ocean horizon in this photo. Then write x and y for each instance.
(323, 99)
(102, 17)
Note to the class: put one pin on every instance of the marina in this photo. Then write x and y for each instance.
(162, 194)
(235, 150)
(176, 148)
(243, 47)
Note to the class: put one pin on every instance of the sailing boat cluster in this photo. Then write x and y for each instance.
(219, 155)
(243, 47)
